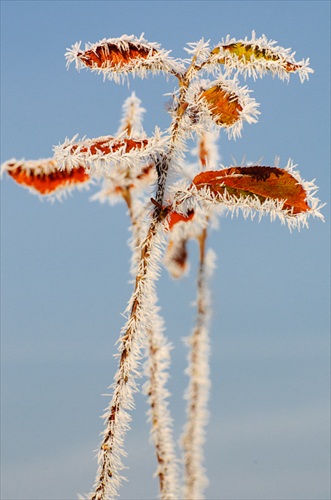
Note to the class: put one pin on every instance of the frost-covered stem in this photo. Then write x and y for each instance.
(158, 355)
(159, 415)
(131, 341)
(164, 161)
(198, 389)
(138, 326)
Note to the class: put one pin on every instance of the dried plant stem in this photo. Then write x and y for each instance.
(198, 389)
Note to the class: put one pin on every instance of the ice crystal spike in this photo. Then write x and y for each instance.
(118, 57)
(257, 56)
(43, 176)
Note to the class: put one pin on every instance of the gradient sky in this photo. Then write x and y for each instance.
(65, 278)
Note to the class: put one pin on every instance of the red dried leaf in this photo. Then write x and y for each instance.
(49, 181)
(256, 182)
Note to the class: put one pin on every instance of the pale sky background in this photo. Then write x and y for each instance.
(65, 275)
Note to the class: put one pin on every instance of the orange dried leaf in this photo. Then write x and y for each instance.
(175, 217)
(223, 105)
(117, 58)
(109, 145)
(45, 177)
(110, 55)
(256, 182)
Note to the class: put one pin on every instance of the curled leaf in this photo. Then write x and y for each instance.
(44, 177)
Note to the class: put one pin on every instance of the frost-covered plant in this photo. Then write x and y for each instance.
(125, 167)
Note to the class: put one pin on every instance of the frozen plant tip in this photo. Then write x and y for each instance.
(169, 204)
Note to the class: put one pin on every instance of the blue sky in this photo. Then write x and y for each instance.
(65, 278)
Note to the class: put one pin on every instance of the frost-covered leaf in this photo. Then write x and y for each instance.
(100, 154)
(229, 105)
(257, 56)
(116, 58)
(224, 106)
(256, 182)
(267, 190)
(43, 176)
